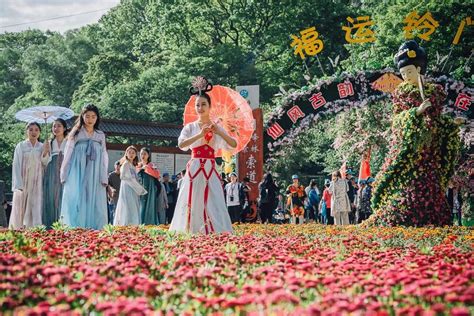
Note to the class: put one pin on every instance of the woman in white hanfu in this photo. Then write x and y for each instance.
(27, 182)
(128, 205)
(340, 204)
(201, 207)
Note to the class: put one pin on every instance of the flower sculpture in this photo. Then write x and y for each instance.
(410, 188)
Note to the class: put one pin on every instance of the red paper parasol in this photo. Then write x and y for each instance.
(231, 111)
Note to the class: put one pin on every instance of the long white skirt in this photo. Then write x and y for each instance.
(190, 217)
(27, 204)
(127, 211)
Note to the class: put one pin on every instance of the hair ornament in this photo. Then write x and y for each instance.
(411, 54)
(200, 85)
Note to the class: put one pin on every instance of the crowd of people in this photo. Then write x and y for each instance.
(342, 201)
(65, 179)
(136, 192)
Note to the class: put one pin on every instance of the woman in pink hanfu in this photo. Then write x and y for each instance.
(201, 207)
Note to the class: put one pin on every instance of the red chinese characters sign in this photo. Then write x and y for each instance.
(353, 91)
(463, 101)
(251, 160)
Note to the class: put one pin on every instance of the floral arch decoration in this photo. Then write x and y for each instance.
(304, 107)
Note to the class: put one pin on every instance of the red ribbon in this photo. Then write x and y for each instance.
(202, 153)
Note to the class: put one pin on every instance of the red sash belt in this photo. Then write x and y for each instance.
(203, 153)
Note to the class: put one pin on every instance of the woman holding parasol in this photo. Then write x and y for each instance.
(52, 157)
(201, 207)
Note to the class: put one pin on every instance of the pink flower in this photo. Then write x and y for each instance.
(460, 311)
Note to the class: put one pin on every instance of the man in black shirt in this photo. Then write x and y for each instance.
(351, 194)
(3, 213)
(113, 190)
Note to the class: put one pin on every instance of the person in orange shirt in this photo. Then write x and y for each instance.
(296, 196)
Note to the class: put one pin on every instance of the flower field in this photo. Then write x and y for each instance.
(261, 270)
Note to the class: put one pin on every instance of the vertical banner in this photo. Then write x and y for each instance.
(250, 161)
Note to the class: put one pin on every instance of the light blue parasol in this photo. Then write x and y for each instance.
(44, 114)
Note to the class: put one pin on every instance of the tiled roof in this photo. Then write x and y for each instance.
(144, 129)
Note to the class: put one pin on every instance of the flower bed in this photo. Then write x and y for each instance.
(262, 269)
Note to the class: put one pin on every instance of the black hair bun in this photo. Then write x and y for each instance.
(200, 85)
(410, 53)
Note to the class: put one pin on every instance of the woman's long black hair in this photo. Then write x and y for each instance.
(80, 119)
(268, 182)
(66, 131)
(146, 149)
(34, 123)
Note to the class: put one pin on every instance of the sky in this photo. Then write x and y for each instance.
(23, 11)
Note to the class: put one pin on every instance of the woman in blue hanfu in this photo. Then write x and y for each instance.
(27, 180)
(201, 207)
(52, 158)
(84, 173)
(128, 205)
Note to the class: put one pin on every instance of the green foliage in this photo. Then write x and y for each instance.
(390, 34)
(310, 155)
(361, 130)
(104, 72)
(60, 226)
(12, 46)
(54, 69)
(10, 135)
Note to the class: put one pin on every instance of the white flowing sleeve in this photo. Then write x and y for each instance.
(68, 150)
(17, 178)
(45, 160)
(127, 177)
(104, 176)
(185, 134)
